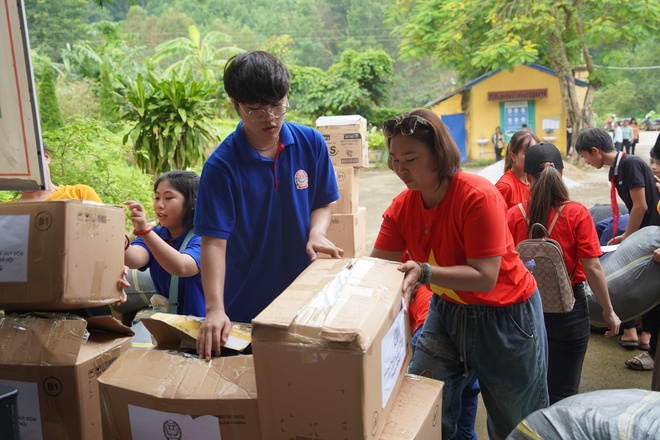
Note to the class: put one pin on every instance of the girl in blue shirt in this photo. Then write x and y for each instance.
(171, 249)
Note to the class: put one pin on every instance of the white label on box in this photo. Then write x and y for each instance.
(150, 424)
(29, 416)
(393, 354)
(14, 248)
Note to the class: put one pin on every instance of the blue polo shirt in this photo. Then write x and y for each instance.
(191, 295)
(262, 208)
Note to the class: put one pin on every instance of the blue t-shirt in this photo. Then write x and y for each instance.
(191, 295)
(262, 208)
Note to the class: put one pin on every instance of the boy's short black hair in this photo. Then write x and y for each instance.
(595, 137)
(256, 78)
(655, 150)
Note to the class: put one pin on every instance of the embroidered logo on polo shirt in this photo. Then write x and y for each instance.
(302, 181)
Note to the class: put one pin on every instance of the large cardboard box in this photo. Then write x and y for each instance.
(60, 255)
(417, 412)
(348, 181)
(54, 364)
(349, 232)
(156, 394)
(331, 352)
(346, 137)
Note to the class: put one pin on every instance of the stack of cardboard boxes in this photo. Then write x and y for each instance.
(346, 137)
(330, 355)
(53, 256)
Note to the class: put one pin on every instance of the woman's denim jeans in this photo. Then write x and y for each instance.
(506, 347)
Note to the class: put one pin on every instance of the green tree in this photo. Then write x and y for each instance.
(353, 86)
(173, 122)
(473, 37)
(631, 89)
(104, 43)
(153, 30)
(107, 96)
(204, 58)
(49, 110)
(52, 24)
(87, 151)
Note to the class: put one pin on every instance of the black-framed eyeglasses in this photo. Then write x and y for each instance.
(406, 126)
(259, 115)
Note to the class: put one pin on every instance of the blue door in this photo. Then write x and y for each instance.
(456, 126)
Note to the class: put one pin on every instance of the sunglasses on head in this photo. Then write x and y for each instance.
(405, 126)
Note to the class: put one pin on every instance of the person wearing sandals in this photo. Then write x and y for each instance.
(568, 333)
(634, 182)
(651, 319)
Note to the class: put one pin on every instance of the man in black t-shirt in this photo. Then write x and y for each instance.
(633, 179)
(636, 186)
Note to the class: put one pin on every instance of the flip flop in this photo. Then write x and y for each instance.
(644, 362)
(644, 347)
(628, 345)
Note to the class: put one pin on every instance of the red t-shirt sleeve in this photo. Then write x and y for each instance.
(391, 235)
(504, 187)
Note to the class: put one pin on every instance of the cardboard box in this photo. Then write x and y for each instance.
(346, 137)
(348, 180)
(60, 254)
(147, 394)
(331, 351)
(349, 232)
(178, 332)
(55, 371)
(417, 412)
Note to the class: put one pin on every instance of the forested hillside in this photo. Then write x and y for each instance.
(309, 33)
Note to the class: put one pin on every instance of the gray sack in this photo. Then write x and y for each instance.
(633, 277)
(598, 415)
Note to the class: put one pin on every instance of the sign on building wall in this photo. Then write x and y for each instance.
(514, 115)
(21, 158)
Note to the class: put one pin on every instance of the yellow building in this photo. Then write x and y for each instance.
(529, 94)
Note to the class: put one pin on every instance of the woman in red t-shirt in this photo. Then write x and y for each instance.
(568, 333)
(485, 318)
(513, 184)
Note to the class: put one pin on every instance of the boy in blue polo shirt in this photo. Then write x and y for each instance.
(263, 200)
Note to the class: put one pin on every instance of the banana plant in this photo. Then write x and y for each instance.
(204, 57)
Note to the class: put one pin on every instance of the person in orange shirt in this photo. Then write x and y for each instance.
(62, 192)
(513, 184)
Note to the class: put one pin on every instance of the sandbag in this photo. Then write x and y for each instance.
(601, 212)
(598, 415)
(633, 277)
(139, 293)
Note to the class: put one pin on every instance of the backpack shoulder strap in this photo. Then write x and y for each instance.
(524, 214)
(554, 220)
(174, 281)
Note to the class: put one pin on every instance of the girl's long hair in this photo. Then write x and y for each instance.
(520, 141)
(547, 192)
